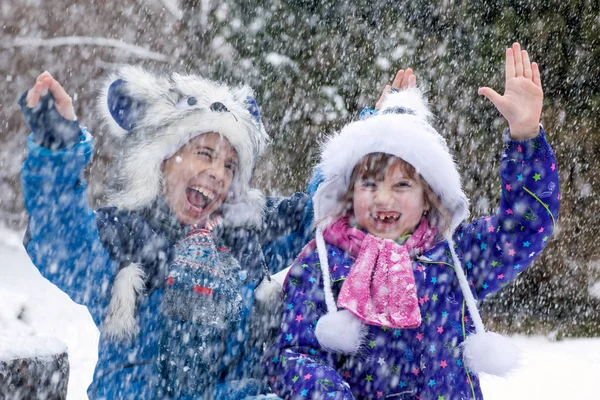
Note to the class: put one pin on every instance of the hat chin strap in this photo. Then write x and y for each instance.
(464, 286)
(322, 251)
(486, 352)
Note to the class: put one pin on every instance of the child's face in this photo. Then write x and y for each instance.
(197, 178)
(391, 207)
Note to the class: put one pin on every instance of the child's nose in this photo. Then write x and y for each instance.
(218, 171)
(383, 196)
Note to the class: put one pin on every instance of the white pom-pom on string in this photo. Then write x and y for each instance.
(269, 302)
(268, 292)
(482, 351)
(341, 332)
(490, 353)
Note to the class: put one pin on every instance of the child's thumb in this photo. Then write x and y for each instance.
(491, 94)
(386, 90)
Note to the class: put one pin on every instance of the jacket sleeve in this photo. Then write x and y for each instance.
(297, 367)
(496, 249)
(288, 226)
(62, 235)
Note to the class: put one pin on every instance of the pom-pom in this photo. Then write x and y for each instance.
(411, 100)
(268, 292)
(269, 302)
(341, 332)
(490, 353)
(120, 321)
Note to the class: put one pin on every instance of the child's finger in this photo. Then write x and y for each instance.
(536, 74)
(44, 86)
(40, 89)
(398, 79)
(60, 95)
(64, 103)
(518, 59)
(33, 98)
(510, 64)
(491, 94)
(412, 81)
(42, 76)
(526, 65)
(386, 90)
(406, 77)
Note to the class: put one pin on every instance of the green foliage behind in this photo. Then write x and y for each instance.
(333, 58)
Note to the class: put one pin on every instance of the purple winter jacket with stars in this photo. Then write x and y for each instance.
(424, 362)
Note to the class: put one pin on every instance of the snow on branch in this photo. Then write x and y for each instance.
(83, 41)
(173, 7)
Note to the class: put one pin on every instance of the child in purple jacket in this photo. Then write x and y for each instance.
(383, 303)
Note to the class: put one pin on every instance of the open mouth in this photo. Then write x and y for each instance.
(386, 217)
(199, 197)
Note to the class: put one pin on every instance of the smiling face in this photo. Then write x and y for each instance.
(197, 178)
(388, 198)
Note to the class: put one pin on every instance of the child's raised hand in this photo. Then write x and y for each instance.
(62, 102)
(403, 80)
(521, 103)
(49, 112)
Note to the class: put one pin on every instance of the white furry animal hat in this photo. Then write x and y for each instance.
(401, 128)
(154, 116)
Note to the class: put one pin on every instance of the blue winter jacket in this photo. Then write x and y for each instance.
(63, 242)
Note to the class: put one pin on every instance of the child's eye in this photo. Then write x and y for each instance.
(231, 167)
(403, 184)
(368, 184)
(205, 153)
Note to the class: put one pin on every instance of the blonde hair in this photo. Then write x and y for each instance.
(375, 166)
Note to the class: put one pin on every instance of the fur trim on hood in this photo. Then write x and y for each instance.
(153, 116)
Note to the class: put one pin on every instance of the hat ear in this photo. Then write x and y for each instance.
(123, 108)
(252, 108)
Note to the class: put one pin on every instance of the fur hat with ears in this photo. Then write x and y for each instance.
(153, 116)
(402, 129)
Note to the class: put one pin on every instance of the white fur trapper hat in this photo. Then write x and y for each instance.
(153, 116)
(400, 128)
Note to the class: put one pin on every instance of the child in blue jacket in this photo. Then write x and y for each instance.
(383, 303)
(169, 270)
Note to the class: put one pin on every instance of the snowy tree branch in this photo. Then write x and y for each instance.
(172, 6)
(83, 41)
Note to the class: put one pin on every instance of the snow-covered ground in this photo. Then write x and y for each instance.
(50, 312)
(550, 370)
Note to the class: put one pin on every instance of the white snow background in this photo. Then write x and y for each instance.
(568, 369)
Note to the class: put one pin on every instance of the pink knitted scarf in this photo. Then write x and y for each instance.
(380, 289)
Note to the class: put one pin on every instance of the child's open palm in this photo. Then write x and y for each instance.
(521, 103)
